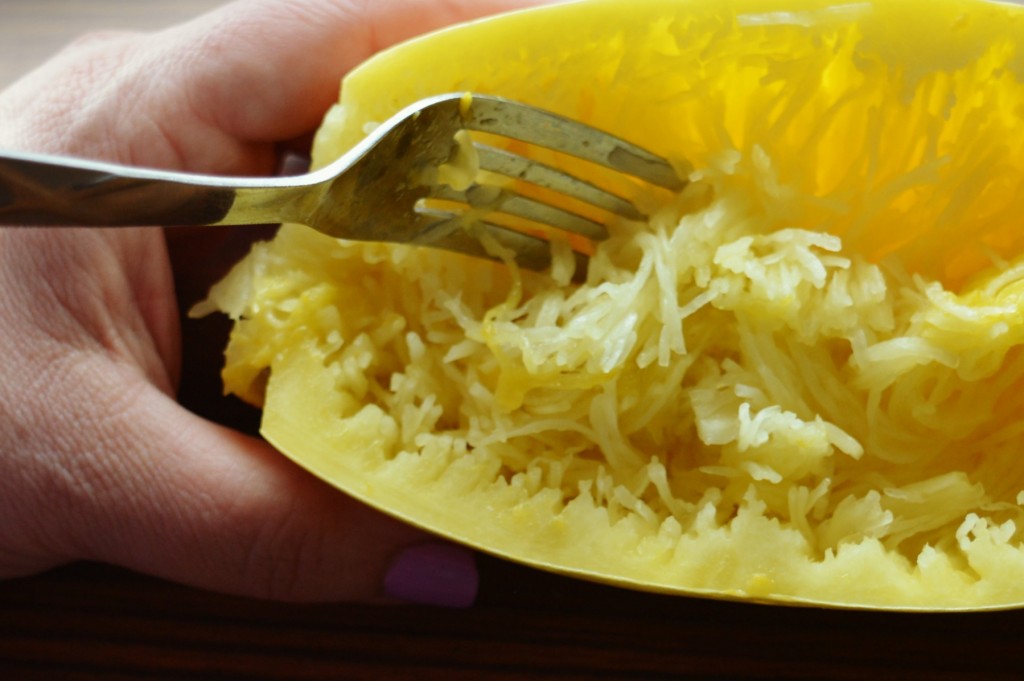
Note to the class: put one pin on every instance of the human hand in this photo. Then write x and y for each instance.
(98, 460)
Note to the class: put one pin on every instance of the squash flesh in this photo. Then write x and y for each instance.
(799, 381)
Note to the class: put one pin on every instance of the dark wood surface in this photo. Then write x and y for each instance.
(98, 622)
(95, 622)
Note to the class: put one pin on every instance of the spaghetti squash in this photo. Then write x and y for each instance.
(800, 380)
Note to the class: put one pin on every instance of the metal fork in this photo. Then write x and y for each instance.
(378, 191)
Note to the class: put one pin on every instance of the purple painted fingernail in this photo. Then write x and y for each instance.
(433, 573)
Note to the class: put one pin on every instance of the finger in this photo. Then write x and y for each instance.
(214, 94)
(178, 497)
(278, 63)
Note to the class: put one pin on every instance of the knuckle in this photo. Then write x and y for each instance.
(284, 552)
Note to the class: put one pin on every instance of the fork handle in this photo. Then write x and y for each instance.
(37, 190)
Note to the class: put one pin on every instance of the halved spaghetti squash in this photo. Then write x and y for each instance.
(801, 380)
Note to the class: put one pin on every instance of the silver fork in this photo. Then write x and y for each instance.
(379, 191)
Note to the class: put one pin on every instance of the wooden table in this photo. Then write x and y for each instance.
(91, 622)
(98, 622)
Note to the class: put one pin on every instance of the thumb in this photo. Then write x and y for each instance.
(201, 504)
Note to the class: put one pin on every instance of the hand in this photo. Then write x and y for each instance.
(98, 460)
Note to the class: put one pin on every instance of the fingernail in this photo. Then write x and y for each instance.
(293, 164)
(433, 573)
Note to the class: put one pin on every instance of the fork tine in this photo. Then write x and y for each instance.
(448, 231)
(515, 166)
(498, 200)
(543, 128)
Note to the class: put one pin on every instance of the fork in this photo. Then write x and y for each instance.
(383, 189)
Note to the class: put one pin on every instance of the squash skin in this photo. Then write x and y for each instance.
(623, 88)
